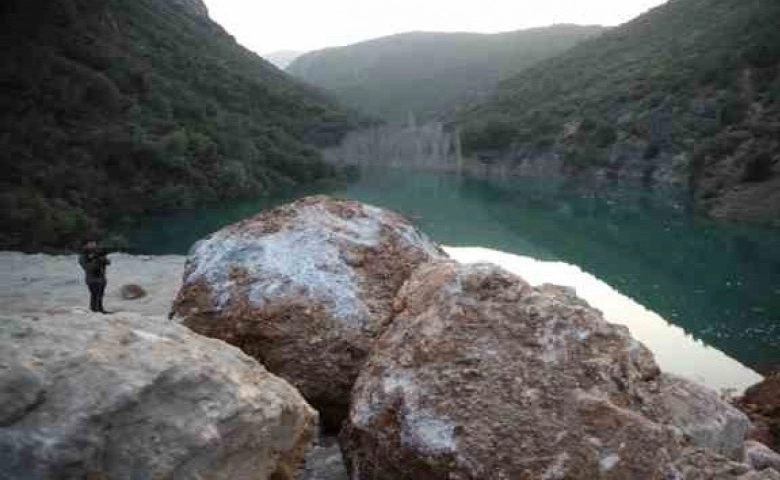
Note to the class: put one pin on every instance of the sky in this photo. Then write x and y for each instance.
(305, 25)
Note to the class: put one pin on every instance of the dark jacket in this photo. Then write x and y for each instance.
(94, 263)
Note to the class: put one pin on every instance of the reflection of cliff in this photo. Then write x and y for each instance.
(427, 146)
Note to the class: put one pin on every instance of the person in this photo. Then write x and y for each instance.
(94, 262)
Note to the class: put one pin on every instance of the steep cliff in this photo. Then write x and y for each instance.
(688, 92)
(110, 109)
(424, 73)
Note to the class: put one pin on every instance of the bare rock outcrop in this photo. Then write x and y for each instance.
(127, 396)
(304, 288)
(482, 376)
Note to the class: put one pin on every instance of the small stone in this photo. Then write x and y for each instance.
(132, 291)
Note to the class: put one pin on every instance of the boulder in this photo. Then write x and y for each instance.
(126, 397)
(481, 375)
(132, 291)
(304, 288)
(761, 402)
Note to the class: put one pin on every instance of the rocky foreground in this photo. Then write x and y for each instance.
(434, 370)
(129, 396)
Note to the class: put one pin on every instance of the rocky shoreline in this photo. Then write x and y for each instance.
(459, 371)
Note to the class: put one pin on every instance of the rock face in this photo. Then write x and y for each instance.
(127, 397)
(481, 375)
(304, 288)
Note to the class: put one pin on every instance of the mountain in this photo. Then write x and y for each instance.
(283, 58)
(424, 73)
(688, 92)
(111, 109)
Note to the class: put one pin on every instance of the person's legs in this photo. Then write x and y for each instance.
(94, 293)
(101, 290)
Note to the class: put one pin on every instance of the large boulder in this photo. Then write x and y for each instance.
(481, 375)
(131, 397)
(304, 288)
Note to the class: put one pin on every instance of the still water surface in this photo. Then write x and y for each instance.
(716, 284)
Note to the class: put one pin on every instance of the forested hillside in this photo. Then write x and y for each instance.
(688, 92)
(110, 109)
(425, 73)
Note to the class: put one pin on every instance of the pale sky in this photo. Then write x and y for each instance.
(268, 26)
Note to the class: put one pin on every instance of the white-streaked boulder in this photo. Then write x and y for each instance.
(304, 288)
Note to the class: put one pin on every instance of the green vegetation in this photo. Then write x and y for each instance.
(672, 80)
(428, 73)
(110, 109)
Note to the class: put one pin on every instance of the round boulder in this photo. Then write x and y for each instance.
(132, 291)
(304, 288)
(481, 375)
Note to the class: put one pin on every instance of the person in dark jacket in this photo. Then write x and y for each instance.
(94, 262)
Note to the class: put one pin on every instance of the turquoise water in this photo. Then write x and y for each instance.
(720, 282)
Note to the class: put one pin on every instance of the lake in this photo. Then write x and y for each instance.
(714, 286)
